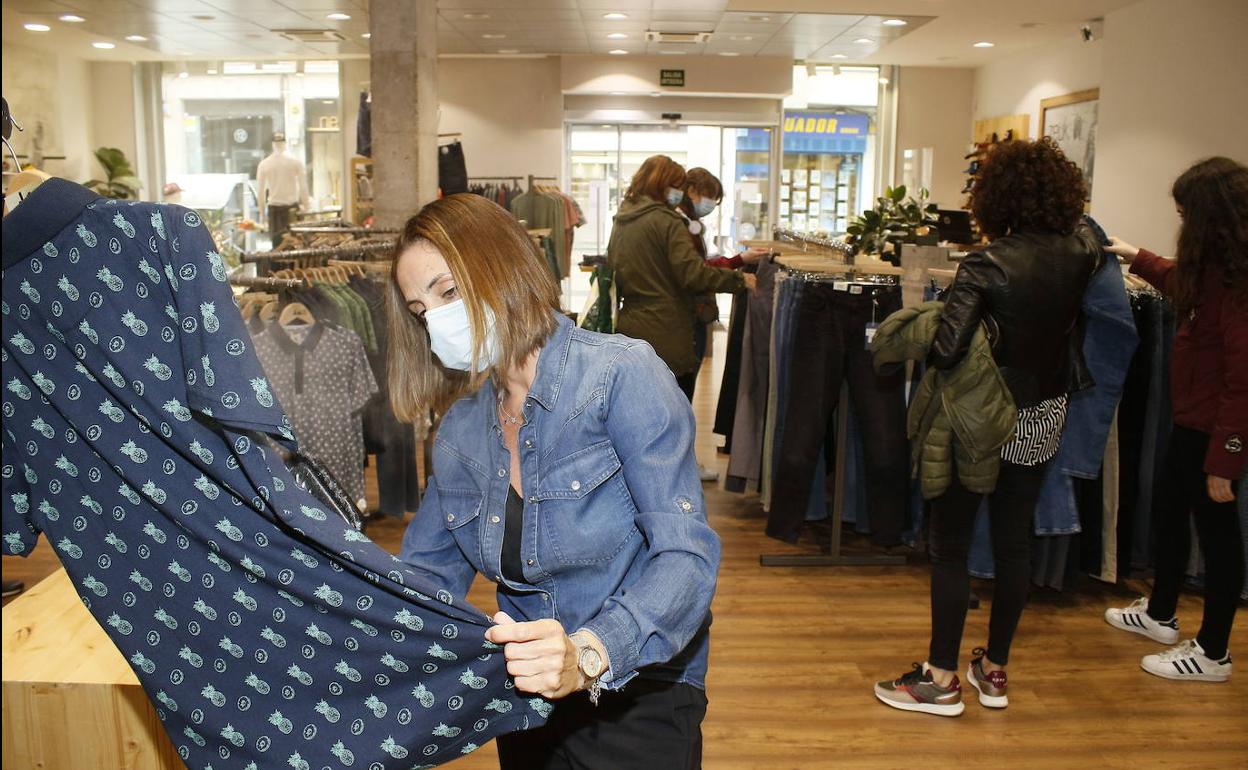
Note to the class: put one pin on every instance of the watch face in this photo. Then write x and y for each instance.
(590, 662)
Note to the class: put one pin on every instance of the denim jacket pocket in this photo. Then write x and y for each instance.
(586, 511)
(459, 506)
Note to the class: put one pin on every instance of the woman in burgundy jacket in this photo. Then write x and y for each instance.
(1208, 283)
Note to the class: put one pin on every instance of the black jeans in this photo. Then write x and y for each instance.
(649, 725)
(829, 348)
(1011, 511)
(1182, 491)
(279, 221)
(687, 383)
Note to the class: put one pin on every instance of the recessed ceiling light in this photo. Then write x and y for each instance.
(70, 18)
(672, 52)
(338, 16)
(729, 53)
(619, 93)
(203, 17)
(759, 19)
(136, 38)
(366, 35)
(883, 81)
(183, 75)
(300, 74)
(103, 46)
(494, 36)
(865, 41)
(617, 36)
(210, 72)
(742, 37)
(984, 44)
(839, 56)
(617, 52)
(509, 50)
(37, 27)
(476, 16)
(615, 16)
(894, 22)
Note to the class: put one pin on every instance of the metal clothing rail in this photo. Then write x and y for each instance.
(259, 282)
(793, 236)
(318, 229)
(346, 249)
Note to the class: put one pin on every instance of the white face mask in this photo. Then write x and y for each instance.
(703, 207)
(674, 196)
(450, 337)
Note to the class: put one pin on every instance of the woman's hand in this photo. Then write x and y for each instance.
(1220, 489)
(751, 281)
(754, 255)
(539, 655)
(1123, 250)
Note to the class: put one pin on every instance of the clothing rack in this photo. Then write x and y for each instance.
(345, 250)
(318, 229)
(257, 282)
(543, 178)
(834, 557)
(806, 240)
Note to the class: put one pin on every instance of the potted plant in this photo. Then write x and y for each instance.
(120, 180)
(895, 219)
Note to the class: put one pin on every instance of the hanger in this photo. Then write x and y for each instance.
(296, 313)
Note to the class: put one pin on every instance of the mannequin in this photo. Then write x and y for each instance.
(281, 186)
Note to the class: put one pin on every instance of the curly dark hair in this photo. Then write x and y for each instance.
(1024, 185)
(1213, 196)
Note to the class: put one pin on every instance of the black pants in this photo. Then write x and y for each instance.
(279, 221)
(1182, 491)
(1011, 511)
(829, 348)
(687, 383)
(648, 725)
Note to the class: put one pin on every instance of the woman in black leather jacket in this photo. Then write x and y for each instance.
(1026, 286)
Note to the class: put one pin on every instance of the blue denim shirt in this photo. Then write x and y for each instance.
(615, 533)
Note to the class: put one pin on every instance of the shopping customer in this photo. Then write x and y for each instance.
(564, 472)
(1205, 463)
(659, 270)
(1026, 286)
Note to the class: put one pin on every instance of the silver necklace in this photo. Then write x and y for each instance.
(508, 417)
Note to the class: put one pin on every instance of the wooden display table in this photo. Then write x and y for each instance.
(71, 701)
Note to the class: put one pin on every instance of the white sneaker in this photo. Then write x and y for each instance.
(1187, 661)
(1135, 618)
(708, 474)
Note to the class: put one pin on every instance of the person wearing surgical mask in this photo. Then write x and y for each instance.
(563, 472)
(659, 270)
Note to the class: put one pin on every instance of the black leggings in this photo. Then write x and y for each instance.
(1011, 509)
(1181, 490)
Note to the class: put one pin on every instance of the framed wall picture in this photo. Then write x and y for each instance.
(1071, 121)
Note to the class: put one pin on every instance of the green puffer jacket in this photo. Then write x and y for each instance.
(962, 415)
(658, 271)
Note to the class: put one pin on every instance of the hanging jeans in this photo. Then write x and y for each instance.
(726, 409)
(745, 464)
(830, 349)
(1180, 492)
(1011, 510)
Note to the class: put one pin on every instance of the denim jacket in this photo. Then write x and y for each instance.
(615, 537)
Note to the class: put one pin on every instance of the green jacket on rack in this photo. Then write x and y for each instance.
(657, 273)
(960, 416)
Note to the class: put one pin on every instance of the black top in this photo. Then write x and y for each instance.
(513, 534)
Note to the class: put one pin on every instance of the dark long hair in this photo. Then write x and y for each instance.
(1027, 186)
(1214, 197)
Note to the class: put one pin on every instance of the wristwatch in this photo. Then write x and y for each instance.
(590, 663)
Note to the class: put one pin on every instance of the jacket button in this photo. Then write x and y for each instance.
(450, 517)
(529, 562)
(528, 442)
(502, 472)
(576, 485)
(686, 506)
(494, 519)
(532, 498)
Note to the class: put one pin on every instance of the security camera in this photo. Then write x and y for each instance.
(1093, 30)
(1086, 33)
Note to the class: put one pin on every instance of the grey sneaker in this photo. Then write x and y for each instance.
(1135, 618)
(916, 691)
(990, 685)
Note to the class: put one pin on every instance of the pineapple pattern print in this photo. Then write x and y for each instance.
(120, 337)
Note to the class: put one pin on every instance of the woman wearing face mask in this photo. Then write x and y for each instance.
(659, 270)
(563, 472)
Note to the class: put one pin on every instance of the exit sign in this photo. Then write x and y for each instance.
(672, 78)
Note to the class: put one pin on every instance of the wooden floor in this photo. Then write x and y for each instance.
(795, 651)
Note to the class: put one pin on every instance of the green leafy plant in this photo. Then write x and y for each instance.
(895, 219)
(120, 180)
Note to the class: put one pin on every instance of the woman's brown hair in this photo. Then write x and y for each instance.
(1214, 197)
(655, 176)
(704, 183)
(1024, 185)
(495, 265)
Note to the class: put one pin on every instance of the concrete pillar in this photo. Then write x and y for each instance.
(403, 77)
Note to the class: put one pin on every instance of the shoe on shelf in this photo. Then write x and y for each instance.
(1187, 661)
(1135, 618)
(708, 474)
(917, 691)
(13, 588)
(990, 685)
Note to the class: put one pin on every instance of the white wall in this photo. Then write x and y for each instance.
(1015, 85)
(934, 110)
(113, 110)
(1172, 93)
(52, 89)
